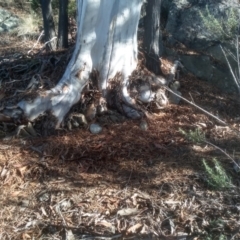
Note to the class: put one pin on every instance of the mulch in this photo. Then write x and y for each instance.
(124, 183)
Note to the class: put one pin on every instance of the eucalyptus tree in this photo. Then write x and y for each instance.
(107, 46)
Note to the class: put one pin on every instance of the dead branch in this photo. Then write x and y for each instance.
(224, 152)
(193, 104)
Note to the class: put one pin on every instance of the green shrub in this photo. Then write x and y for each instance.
(225, 28)
(195, 136)
(72, 8)
(211, 237)
(216, 176)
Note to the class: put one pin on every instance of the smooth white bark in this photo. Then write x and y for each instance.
(106, 42)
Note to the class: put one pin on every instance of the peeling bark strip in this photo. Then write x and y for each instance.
(106, 42)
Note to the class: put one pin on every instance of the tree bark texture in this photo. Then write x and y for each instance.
(63, 24)
(152, 36)
(48, 24)
(106, 43)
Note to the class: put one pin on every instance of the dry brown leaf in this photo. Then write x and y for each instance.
(167, 179)
(134, 198)
(7, 178)
(44, 212)
(104, 223)
(144, 229)
(172, 202)
(22, 170)
(17, 193)
(134, 229)
(128, 212)
(4, 172)
(26, 236)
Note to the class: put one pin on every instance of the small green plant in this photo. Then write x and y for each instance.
(216, 176)
(72, 8)
(195, 136)
(225, 28)
(212, 237)
(222, 237)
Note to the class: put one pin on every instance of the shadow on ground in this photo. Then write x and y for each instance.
(123, 182)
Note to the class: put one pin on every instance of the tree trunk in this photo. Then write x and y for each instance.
(48, 24)
(63, 24)
(106, 43)
(152, 36)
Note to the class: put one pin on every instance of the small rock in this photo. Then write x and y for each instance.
(146, 96)
(91, 112)
(236, 166)
(44, 197)
(95, 128)
(8, 20)
(130, 112)
(144, 125)
(174, 99)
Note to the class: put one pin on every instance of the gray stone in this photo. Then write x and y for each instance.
(201, 27)
(175, 96)
(8, 21)
(144, 125)
(95, 128)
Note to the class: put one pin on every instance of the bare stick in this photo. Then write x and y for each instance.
(237, 46)
(211, 115)
(36, 42)
(231, 70)
(224, 152)
(193, 104)
(49, 41)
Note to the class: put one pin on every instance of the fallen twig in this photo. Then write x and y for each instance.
(235, 77)
(224, 152)
(36, 42)
(118, 236)
(195, 105)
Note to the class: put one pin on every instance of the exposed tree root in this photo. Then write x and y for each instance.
(130, 97)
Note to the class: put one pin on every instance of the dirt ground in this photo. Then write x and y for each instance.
(124, 183)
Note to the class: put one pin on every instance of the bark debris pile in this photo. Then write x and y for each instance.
(134, 180)
(125, 182)
(24, 77)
